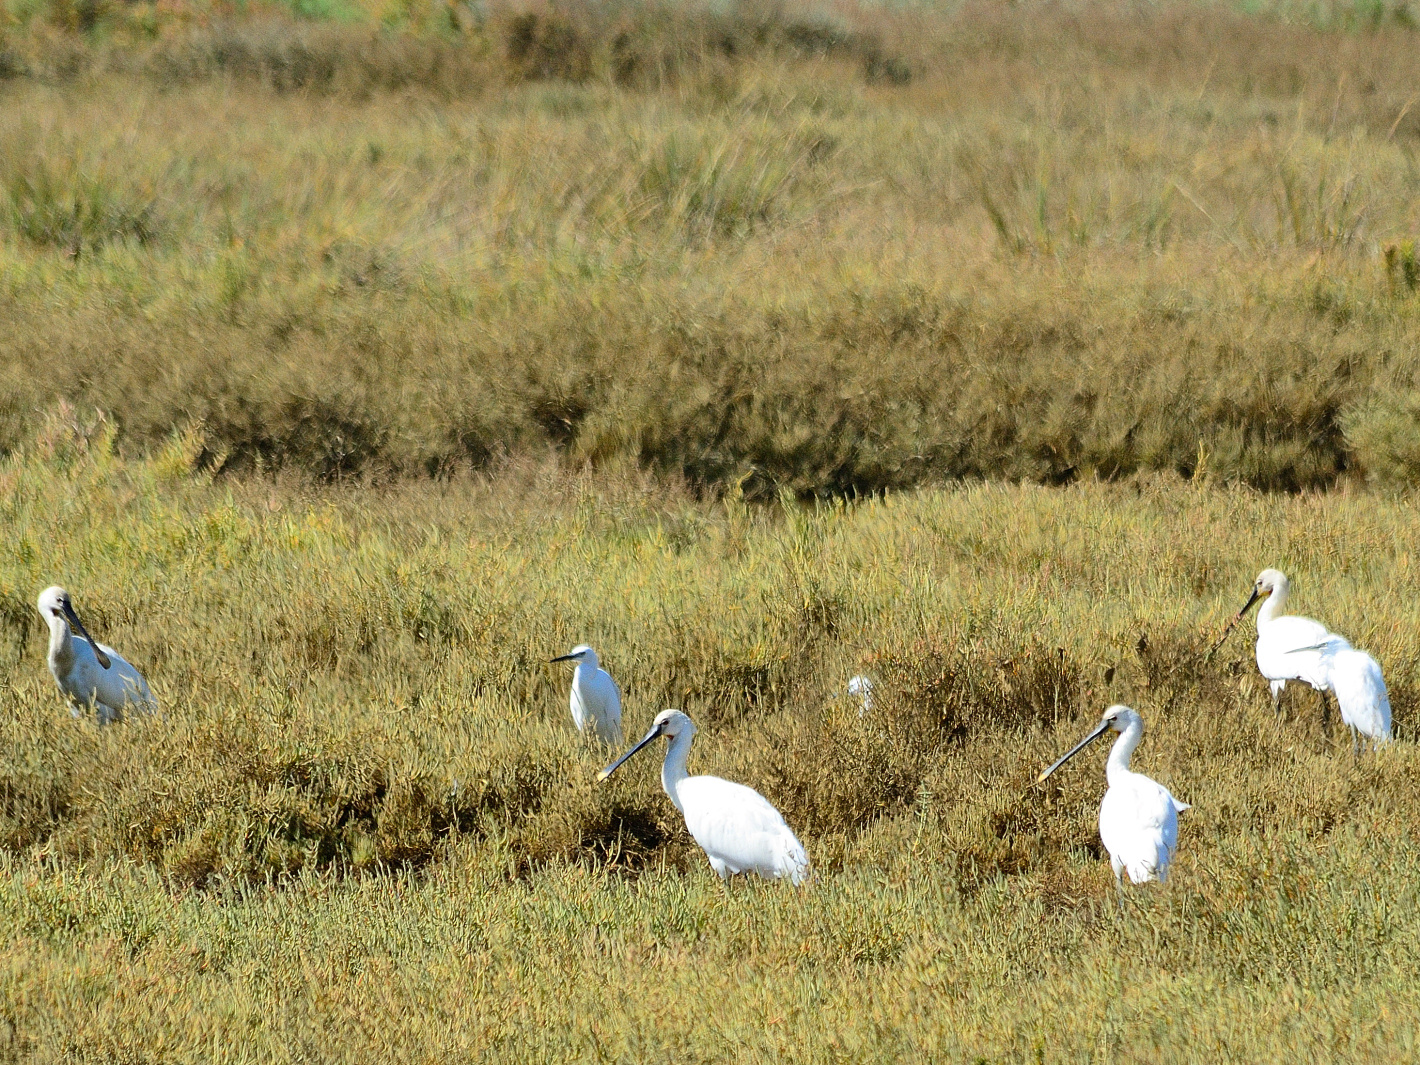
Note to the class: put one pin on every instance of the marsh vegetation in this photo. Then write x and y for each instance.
(833, 251)
(356, 361)
(364, 814)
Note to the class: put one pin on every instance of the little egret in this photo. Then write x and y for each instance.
(595, 699)
(1138, 817)
(88, 673)
(736, 827)
(862, 687)
(1288, 647)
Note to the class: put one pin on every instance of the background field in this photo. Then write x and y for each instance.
(832, 249)
(357, 359)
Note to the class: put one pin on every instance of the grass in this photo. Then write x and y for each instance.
(829, 251)
(364, 820)
(360, 357)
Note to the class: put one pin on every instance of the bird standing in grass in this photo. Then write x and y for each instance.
(737, 827)
(862, 687)
(1138, 817)
(595, 698)
(1288, 647)
(88, 673)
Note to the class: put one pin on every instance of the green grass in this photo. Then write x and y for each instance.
(364, 826)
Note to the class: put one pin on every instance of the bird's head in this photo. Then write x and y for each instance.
(668, 723)
(54, 603)
(581, 654)
(1269, 582)
(1117, 718)
(672, 723)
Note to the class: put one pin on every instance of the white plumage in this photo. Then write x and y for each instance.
(595, 699)
(1138, 816)
(862, 687)
(1290, 647)
(1297, 648)
(737, 827)
(91, 675)
(1360, 690)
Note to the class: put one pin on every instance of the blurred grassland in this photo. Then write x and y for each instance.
(364, 826)
(835, 250)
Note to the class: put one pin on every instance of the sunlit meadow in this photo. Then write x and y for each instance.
(356, 359)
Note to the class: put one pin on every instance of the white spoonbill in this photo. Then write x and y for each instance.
(736, 827)
(862, 687)
(1138, 817)
(595, 698)
(88, 673)
(1288, 647)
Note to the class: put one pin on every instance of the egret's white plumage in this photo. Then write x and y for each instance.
(737, 827)
(595, 698)
(862, 687)
(91, 675)
(1138, 816)
(1360, 690)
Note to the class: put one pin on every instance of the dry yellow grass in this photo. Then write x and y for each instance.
(364, 827)
(1075, 243)
(552, 303)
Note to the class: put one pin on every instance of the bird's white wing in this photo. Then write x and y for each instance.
(114, 688)
(1291, 630)
(610, 709)
(1295, 648)
(740, 828)
(579, 713)
(1361, 693)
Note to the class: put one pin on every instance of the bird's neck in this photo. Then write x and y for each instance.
(61, 644)
(673, 769)
(1118, 764)
(1274, 605)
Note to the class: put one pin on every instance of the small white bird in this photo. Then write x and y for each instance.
(736, 827)
(1289, 647)
(595, 698)
(88, 673)
(862, 687)
(1138, 816)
